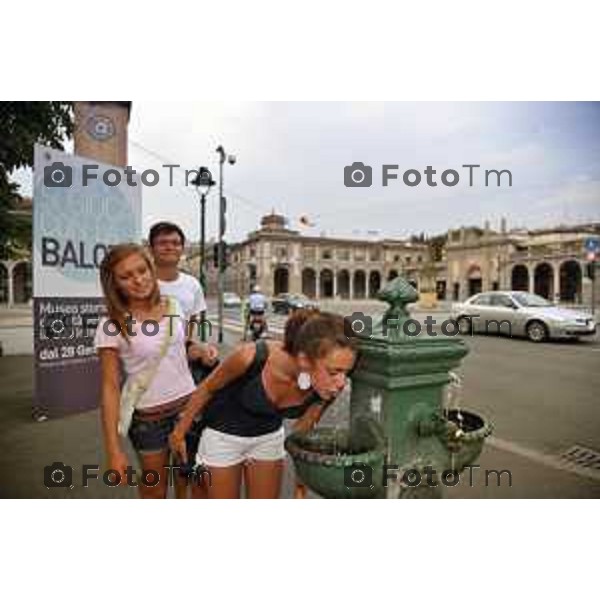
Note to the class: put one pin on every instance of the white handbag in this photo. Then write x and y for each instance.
(135, 387)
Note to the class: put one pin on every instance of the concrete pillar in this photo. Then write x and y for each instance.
(531, 268)
(318, 285)
(295, 282)
(351, 285)
(11, 287)
(586, 292)
(334, 284)
(556, 282)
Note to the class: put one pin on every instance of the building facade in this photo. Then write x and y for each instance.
(549, 262)
(281, 260)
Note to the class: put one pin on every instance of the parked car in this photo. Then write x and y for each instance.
(231, 300)
(521, 314)
(285, 303)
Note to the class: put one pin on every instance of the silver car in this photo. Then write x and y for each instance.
(521, 314)
(231, 300)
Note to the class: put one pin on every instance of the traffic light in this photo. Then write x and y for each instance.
(225, 253)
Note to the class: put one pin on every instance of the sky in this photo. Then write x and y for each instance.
(290, 158)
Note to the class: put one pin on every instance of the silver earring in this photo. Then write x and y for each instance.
(304, 381)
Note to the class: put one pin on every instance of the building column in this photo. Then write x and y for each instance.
(334, 284)
(317, 285)
(293, 280)
(556, 283)
(531, 278)
(11, 287)
(351, 286)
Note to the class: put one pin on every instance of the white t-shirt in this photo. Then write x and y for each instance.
(172, 379)
(257, 301)
(187, 291)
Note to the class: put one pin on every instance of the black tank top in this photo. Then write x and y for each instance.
(243, 407)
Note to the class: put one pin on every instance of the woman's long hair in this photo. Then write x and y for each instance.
(117, 303)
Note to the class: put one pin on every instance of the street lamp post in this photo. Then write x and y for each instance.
(223, 156)
(203, 182)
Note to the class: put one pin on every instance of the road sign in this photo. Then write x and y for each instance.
(591, 256)
(592, 245)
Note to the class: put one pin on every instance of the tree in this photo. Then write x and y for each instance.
(436, 247)
(22, 124)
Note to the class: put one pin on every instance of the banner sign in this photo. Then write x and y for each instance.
(75, 221)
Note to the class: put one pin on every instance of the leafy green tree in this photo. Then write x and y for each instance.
(22, 124)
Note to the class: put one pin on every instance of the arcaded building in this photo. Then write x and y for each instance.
(281, 260)
(550, 262)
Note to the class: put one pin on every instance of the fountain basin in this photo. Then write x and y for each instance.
(466, 448)
(326, 459)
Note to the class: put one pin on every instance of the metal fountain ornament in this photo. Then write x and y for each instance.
(407, 434)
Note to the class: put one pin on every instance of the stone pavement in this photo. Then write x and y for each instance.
(18, 316)
(27, 447)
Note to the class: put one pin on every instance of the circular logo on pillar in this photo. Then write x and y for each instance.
(99, 127)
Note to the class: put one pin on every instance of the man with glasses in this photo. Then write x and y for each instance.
(167, 242)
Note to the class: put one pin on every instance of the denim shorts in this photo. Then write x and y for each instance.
(152, 435)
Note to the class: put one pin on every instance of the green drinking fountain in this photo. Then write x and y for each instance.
(402, 440)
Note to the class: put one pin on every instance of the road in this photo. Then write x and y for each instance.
(544, 396)
(541, 398)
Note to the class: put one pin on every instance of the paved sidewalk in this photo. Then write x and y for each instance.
(27, 447)
(19, 316)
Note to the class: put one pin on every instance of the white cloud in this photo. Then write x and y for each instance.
(291, 157)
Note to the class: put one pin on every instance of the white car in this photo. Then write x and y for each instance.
(231, 300)
(521, 314)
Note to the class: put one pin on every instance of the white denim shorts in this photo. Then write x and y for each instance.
(218, 449)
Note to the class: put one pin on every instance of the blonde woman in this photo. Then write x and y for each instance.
(143, 332)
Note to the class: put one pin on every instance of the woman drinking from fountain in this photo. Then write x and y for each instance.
(244, 401)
